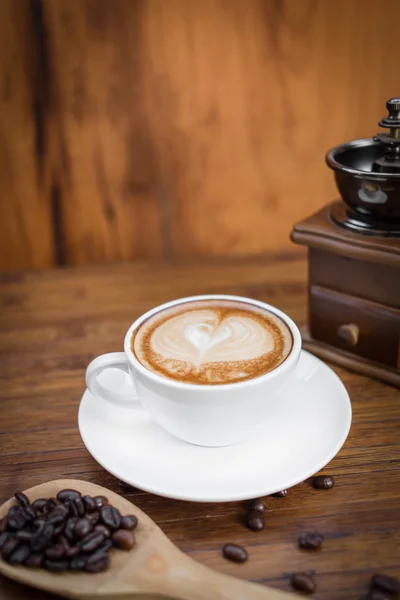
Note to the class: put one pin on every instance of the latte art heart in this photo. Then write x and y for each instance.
(212, 342)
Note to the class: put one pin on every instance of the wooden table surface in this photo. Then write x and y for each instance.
(54, 322)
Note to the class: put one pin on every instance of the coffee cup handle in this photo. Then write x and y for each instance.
(113, 360)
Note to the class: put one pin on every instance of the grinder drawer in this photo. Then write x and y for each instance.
(359, 326)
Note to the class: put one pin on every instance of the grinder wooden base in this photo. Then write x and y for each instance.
(348, 360)
(353, 296)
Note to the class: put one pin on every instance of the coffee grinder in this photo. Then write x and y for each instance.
(354, 257)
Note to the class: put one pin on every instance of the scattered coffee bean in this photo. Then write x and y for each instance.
(55, 552)
(303, 583)
(82, 528)
(256, 504)
(56, 565)
(65, 495)
(386, 583)
(3, 538)
(22, 499)
(91, 542)
(129, 522)
(78, 563)
(16, 518)
(8, 547)
(89, 503)
(52, 502)
(123, 538)
(97, 563)
(29, 513)
(42, 538)
(3, 525)
(323, 482)
(111, 517)
(19, 556)
(39, 504)
(281, 494)
(310, 541)
(24, 536)
(102, 529)
(73, 510)
(34, 560)
(100, 501)
(235, 553)
(59, 530)
(254, 520)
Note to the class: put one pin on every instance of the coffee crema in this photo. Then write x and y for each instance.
(212, 342)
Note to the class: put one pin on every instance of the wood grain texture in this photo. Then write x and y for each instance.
(53, 323)
(26, 227)
(143, 128)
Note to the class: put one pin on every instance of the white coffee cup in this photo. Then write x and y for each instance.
(206, 415)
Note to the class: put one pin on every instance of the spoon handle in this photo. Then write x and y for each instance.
(202, 583)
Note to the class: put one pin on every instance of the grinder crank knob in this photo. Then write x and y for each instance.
(393, 118)
(349, 333)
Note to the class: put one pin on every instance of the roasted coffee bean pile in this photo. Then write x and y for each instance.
(70, 532)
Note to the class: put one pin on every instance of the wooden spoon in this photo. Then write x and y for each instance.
(153, 566)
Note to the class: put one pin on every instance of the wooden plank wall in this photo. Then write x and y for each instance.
(172, 128)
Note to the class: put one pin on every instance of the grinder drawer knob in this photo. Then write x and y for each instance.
(349, 333)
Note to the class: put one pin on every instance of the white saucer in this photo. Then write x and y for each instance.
(307, 431)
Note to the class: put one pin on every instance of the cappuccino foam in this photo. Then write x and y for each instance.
(212, 342)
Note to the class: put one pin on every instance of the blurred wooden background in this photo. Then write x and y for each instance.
(171, 128)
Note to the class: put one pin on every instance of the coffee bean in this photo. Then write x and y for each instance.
(3, 524)
(91, 542)
(80, 507)
(124, 539)
(67, 494)
(39, 504)
(59, 530)
(105, 547)
(57, 515)
(82, 528)
(24, 536)
(256, 504)
(111, 517)
(129, 522)
(69, 530)
(56, 565)
(303, 583)
(94, 517)
(52, 502)
(102, 529)
(55, 552)
(4, 537)
(323, 482)
(34, 560)
(29, 513)
(22, 499)
(388, 584)
(78, 563)
(310, 541)
(73, 509)
(254, 520)
(235, 553)
(100, 501)
(16, 518)
(71, 551)
(97, 563)
(19, 556)
(8, 547)
(281, 494)
(42, 538)
(90, 504)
